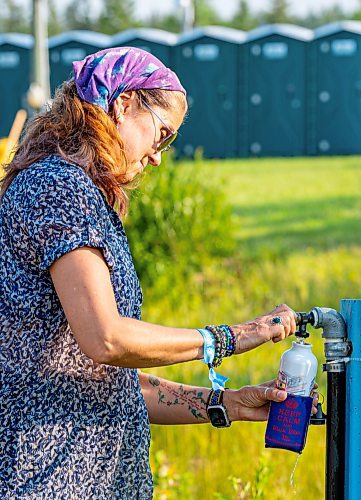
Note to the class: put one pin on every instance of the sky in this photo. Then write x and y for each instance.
(227, 7)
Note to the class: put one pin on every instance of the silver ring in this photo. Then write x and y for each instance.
(277, 320)
(265, 392)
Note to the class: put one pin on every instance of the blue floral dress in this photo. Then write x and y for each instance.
(69, 427)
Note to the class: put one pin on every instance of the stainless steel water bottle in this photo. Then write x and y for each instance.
(298, 369)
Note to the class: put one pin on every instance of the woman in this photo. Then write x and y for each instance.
(74, 409)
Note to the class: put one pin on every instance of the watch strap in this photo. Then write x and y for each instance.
(215, 400)
(215, 397)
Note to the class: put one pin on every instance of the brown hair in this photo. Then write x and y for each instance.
(86, 135)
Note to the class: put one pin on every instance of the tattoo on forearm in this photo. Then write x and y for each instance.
(154, 380)
(171, 396)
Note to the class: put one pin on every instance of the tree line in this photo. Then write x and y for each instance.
(113, 16)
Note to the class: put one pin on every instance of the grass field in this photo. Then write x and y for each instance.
(298, 241)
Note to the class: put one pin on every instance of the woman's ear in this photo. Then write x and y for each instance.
(122, 105)
(119, 110)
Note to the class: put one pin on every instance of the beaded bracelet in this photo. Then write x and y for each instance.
(231, 340)
(219, 344)
(225, 342)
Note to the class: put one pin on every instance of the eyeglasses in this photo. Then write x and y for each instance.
(165, 143)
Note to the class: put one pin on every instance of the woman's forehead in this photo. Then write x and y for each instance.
(174, 115)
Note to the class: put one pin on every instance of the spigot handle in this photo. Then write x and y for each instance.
(302, 319)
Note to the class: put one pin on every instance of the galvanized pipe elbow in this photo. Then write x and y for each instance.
(331, 322)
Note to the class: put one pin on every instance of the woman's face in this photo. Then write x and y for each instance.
(142, 131)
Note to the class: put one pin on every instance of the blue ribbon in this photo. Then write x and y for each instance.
(218, 381)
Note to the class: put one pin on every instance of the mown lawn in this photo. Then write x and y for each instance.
(298, 241)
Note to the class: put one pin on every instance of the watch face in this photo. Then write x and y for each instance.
(217, 416)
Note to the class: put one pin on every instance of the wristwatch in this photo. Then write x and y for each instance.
(216, 412)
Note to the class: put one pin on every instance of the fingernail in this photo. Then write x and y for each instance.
(280, 394)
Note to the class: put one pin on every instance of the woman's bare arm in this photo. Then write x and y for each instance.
(173, 403)
(169, 402)
(82, 281)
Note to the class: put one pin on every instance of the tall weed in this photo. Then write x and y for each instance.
(180, 222)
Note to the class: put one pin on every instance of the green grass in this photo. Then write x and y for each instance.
(298, 241)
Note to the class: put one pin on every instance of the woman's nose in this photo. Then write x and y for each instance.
(155, 159)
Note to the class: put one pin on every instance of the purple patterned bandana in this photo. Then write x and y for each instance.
(102, 76)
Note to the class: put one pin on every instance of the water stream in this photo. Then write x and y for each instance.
(292, 476)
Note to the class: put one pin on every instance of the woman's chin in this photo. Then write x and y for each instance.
(135, 174)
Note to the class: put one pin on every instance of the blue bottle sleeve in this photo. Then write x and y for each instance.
(288, 423)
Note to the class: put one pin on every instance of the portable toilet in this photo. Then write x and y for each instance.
(72, 46)
(208, 62)
(277, 90)
(15, 76)
(335, 92)
(158, 42)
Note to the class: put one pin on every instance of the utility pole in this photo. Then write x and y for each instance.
(188, 14)
(39, 91)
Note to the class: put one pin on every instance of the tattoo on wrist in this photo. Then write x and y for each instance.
(171, 396)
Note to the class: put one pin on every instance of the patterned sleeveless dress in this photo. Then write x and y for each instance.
(69, 428)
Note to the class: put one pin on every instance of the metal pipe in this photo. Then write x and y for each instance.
(337, 348)
(335, 435)
(351, 311)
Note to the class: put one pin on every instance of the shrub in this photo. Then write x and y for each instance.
(179, 224)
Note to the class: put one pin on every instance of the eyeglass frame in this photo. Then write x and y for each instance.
(169, 138)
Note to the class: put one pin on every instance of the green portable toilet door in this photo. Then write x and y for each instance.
(61, 59)
(14, 83)
(162, 52)
(338, 95)
(72, 46)
(158, 42)
(208, 71)
(276, 97)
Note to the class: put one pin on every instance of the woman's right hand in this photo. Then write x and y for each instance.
(264, 328)
(252, 401)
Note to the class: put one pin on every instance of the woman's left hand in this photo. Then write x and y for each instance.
(252, 402)
(275, 325)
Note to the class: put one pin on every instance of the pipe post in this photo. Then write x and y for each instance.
(351, 312)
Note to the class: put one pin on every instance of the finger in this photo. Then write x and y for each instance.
(313, 390)
(270, 394)
(279, 335)
(277, 327)
(270, 383)
(315, 399)
(281, 307)
(314, 410)
(286, 319)
(293, 323)
(314, 403)
(282, 325)
(289, 317)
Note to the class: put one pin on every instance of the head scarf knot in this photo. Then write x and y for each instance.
(102, 76)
